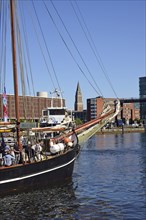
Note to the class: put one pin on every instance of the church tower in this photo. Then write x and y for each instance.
(78, 99)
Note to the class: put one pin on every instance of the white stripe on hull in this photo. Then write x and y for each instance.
(35, 174)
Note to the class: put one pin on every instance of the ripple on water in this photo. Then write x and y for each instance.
(109, 182)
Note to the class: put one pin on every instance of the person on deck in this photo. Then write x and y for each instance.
(12, 151)
(8, 159)
(17, 153)
(37, 150)
(30, 152)
(1, 154)
(7, 148)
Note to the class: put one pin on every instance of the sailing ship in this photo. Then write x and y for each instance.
(59, 135)
(54, 167)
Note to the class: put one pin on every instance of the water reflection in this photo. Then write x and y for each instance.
(114, 166)
(44, 204)
(109, 182)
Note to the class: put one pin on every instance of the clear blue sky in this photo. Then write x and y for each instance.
(118, 29)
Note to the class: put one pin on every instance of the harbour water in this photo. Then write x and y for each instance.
(109, 182)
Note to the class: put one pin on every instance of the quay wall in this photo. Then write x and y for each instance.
(120, 130)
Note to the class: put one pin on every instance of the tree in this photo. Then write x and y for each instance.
(78, 121)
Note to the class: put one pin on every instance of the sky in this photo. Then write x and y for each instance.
(115, 48)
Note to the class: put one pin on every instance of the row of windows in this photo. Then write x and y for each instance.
(93, 114)
(92, 101)
(93, 109)
(143, 116)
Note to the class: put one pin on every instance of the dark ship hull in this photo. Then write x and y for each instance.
(49, 172)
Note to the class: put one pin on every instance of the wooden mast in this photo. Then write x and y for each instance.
(15, 73)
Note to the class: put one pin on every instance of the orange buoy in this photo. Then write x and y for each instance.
(66, 140)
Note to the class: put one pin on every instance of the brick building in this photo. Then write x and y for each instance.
(129, 111)
(30, 107)
(95, 106)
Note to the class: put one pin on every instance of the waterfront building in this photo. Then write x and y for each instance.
(95, 106)
(129, 111)
(142, 94)
(30, 106)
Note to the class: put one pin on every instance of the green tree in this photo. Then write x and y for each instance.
(78, 121)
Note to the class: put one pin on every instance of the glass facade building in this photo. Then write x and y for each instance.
(142, 94)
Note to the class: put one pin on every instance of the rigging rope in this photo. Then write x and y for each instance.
(41, 50)
(94, 50)
(3, 54)
(3, 23)
(76, 47)
(2, 47)
(69, 49)
(29, 65)
(28, 54)
(20, 55)
(48, 52)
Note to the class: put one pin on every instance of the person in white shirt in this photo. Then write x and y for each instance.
(8, 159)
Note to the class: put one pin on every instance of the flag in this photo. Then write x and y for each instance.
(5, 112)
